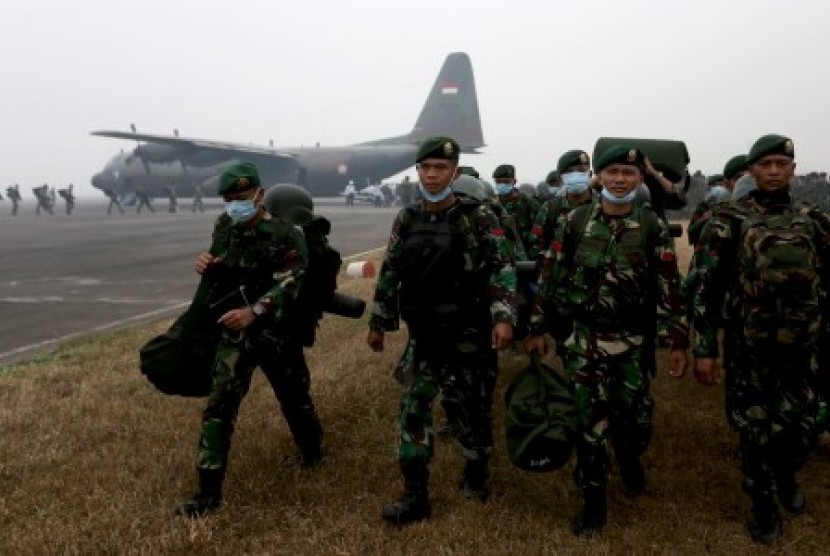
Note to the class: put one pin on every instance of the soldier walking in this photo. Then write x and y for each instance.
(42, 196)
(114, 202)
(68, 197)
(766, 257)
(198, 202)
(13, 193)
(449, 275)
(143, 199)
(172, 199)
(609, 275)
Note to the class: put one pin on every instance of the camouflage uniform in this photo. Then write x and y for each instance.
(544, 226)
(461, 368)
(602, 278)
(273, 255)
(770, 358)
(523, 210)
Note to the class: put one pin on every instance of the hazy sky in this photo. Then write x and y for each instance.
(551, 75)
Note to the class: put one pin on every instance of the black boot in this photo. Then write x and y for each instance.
(790, 494)
(413, 505)
(594, 514)
(311, 457)
(765, 526)
(474, 480)
(207, 499)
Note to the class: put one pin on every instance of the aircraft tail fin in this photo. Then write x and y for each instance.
(452, 106)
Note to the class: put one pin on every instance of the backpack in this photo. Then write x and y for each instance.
(319, 282)
(777, 262)
(540, 418)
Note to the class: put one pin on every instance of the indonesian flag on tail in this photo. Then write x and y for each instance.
(449, 89)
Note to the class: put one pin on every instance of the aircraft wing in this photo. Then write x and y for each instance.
(232, 149)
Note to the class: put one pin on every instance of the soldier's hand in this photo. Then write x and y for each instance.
(237, 319)
(502, 335)
(536, 343)
(375, 340)
(678, 363)
(706, 371)
(203, 261)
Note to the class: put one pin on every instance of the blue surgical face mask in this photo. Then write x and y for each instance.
(718, 193)
(504, 188)
(240, 211)
(435, 197)
(576, 182)
(614, 200)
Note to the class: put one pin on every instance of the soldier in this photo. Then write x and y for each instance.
(42, 196)
(143, 199)
(448, 273)
(198, 202)
(271, 256)
(69, 197)
(468, 171)
(610, 273)
(767, 257)
(574, 169)
(114, 202)
(522, 208)
(550, 188)
(406, 192)
(721, 187)
(172, 199)
(350, 192)
(13, 192)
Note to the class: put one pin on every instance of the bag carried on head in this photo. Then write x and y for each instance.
(540, 418)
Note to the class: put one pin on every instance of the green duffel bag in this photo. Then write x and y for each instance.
(669, 155)
(540, 418)
(180, 361)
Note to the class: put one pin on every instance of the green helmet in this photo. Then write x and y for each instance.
(468, 185)
(286, 200)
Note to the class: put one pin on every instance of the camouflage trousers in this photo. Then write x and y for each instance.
(611, 390)
(771, 399)
(464, 373)
(283, 363)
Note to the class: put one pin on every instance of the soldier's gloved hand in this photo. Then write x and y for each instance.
(706, 371)
(502, 335)
(678, 363)
(536, 343)
(237, 319)
(375, 340)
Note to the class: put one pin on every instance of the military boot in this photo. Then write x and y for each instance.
(207, 499)
(413, 505)
(790, 494)
(765, 526)
(311, 457)
(594, 514)
(474, 480)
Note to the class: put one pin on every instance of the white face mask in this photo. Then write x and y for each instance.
(614, 200)
(576, 182)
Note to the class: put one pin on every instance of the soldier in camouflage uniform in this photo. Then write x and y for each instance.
(268, 256)
(521, 207)
(767, 258)
(449, 274)
(732, 172)
(550, 188)
(610, 272)
(574, 169)
(13, 192)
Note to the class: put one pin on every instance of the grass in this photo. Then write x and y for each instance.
(93, 460)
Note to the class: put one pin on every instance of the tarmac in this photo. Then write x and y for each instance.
(68, 276)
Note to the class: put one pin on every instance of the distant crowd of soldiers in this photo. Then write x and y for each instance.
(45, 196)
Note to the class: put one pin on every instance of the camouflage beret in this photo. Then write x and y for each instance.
(714, 178)
(552, 176)
(572, 158)
(504, 172)
(619, 154)
(237, 178)
(468, 171)
(438, 147)
(770, 144)
(734, 166)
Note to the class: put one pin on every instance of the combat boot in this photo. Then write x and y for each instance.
(765, 526)
(311, 457)
(413, 505)
(592, 518)
(207, 499)
(474, 480)
(790, 494)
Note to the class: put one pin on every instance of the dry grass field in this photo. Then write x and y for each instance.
(92, 460)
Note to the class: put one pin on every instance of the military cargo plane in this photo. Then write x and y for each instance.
(161, 160)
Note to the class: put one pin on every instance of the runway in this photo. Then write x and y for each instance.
(64, 277)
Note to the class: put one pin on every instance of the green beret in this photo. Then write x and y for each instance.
(714, 178)
(468, 171)
(504, 172)
(770, 144)
(619, 154)
(734, 165)
(572, 158)
(553, 176)
(438, 147)
(238, 177)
